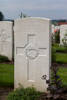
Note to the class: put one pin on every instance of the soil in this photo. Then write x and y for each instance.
(10, 62)
(4, 91)
(62, 96)
(59, 65)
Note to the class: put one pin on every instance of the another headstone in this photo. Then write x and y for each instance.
(6, 36)
(53, 28)
(63, 32)
(32, 52)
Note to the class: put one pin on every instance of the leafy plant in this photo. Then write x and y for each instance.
(55, 83)
(24, 94)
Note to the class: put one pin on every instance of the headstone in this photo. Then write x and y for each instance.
(63, 31)
(53, 28)
(6, 42)
(32, 52)
(57, 27)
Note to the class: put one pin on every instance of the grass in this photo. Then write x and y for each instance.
(63, 74)
(61, 58)
(6, 75)
(59, 54)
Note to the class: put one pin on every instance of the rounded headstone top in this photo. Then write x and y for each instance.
(32, 18)
(4, 22)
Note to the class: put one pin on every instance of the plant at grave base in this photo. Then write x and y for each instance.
(55, 84)
(24, 94)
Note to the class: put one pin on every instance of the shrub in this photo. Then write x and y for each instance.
(3, 59)
(24, 94)
(57, 37)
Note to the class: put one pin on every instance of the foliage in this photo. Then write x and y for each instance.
(57, 37)
(24, 94)
(3, 59)
(1, 16)
(56, 82)
(53, 55)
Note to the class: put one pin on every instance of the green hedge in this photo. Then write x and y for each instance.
(3, 59)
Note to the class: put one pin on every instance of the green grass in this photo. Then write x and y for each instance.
(63, 75)
(61, 58)
(6, 75)
(59, 54)
(59, 48)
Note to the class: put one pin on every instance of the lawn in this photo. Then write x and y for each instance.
(61, 58)
(63, 74)
(59, 54)
(6, 75)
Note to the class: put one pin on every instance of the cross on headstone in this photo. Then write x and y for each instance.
(3, 36)
(30, 51)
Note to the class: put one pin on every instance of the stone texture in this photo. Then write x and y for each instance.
(63, 31)
(6, 36)
(32, 52)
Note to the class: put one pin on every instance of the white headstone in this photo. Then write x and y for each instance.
(63, 31)
(57, 27)
(32, 52)
(6, 43)
(53, 28)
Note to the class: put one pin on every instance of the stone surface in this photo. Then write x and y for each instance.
(32, 52)
(63, 31)
(6, 36)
